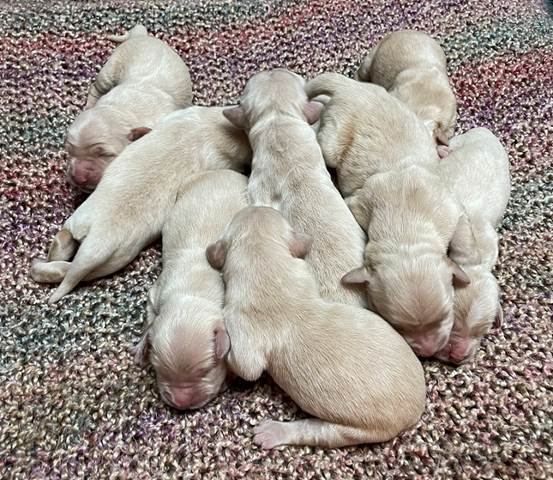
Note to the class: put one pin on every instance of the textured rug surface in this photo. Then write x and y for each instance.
(73, 404)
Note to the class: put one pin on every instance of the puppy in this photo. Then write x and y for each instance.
(477, 171)
(411, 219)
(342, 364)
(411, 65)
(128, 209)
(289, 174)
(143, 80)
(185, 337)
(364, 130)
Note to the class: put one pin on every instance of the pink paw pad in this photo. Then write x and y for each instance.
(443, 151)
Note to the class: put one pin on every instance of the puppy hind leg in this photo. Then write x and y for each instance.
(63, 246)
(314, 432)
(49, 272)
(107, 78)
(85, 262)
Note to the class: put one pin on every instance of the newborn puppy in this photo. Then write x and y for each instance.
(364, 130)
(185, 338)
(143, 80)
(411, 219)
(477, 171)
(411, 65)
(342, 364)
(128, 209)
(289, 174)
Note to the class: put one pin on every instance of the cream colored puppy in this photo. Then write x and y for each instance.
(411, 65)
(143, 80)
(185, 337)
(128, 209)
(477, 170)
(364, 130)
(411, 219)
(342, 364)
(289, 174)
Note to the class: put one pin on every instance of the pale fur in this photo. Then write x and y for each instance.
(186, 301)
(364, 130)
(128, 209)
(410, 219)
(143, 80)
(289, 174)
(411, 65)
(477, 171)
(339, 363)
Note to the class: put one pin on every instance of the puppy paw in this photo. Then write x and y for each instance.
(270, 434)
(443, 151)
(36, 271)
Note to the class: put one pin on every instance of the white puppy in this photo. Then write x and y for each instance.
(342, 364)
(289, 174)
(411, 65)
(143, 80)
(364, 130)
(128, 209)
(185, 337)
(411, 219)
(477, 170)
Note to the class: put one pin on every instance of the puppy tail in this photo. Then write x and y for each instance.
(326, 84)
(85, 262)
(136, 31)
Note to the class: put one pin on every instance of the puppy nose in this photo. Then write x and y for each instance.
(79, 177)
(458, 354)
(426, 347)
(182, 398)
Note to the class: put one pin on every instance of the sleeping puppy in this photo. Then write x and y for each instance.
(289, 174)
(185, 338)
(411, 65)
(477, 171)
(128, 209)
(364, 130)
(342, 364)
(411, 219)
(143, 80)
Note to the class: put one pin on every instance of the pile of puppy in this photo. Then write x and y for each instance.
(330, 283)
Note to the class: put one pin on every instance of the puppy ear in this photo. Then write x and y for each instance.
(460, 278)
(216, 254)
(141, 350)
(312, 111)
(498, 321)
(137, 133)
(236, 116)
(300, 244)
(222, 343)
(357, 275)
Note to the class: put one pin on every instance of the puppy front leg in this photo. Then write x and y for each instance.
(360, 213)
(315, 432)
(106, 79)
(245, 358)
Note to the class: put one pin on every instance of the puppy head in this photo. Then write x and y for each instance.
(186, 344)
(93, 141)
(259, 227)
(276, 91)
(476, 311)
(415, 295)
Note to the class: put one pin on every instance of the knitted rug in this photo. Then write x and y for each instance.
(72, 402)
